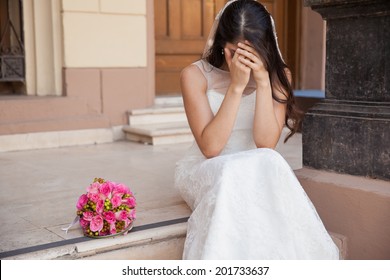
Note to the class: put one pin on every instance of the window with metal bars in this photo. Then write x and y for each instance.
(12, 54)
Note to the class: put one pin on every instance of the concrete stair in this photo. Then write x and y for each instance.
(158, 241)
(163, 243)
(164, 123)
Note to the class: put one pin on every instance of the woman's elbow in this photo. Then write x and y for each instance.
(266, 144)
(210, 152)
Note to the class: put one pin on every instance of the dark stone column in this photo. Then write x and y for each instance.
(349, 131)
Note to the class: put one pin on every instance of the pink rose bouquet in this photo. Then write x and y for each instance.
(107, 208)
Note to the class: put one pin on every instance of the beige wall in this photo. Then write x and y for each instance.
(312, 50)
(108, 55)
(105, 33)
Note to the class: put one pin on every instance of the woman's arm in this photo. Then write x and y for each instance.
(269, 114)
(269, 117)
(212, 132)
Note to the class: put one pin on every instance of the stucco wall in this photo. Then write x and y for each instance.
(109, 54)
(105, 33)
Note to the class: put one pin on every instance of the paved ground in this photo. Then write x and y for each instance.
(39, 188)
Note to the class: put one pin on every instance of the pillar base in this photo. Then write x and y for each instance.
(348, 137)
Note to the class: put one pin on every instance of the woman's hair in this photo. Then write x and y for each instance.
(249, 20)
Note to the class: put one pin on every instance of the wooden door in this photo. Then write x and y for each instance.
(181, 30)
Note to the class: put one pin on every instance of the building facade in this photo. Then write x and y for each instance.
(85, 63)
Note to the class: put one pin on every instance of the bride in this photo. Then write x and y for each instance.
(246, 201)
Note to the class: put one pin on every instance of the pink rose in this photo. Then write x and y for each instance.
(100, 206)
(84, 223)
(94, 197)
(96, 223)
(112, 228)
(121, 189)
(109, 217)
(130, 201)
(105, 189)
(121, 215)
(116, 200)
(88, 215)
(93, 188)
(83, 199)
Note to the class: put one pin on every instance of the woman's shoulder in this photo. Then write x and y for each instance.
(200, 69)
(201, 66)
(192, 71)
(193, 76)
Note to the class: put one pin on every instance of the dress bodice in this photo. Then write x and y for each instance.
(218, 82)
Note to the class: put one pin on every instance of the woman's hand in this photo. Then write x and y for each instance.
(239, 72)
(248, 56)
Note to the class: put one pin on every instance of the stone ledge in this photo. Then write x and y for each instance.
(355, 207)
(341, 243)
(56, 139)
(99, 246)
(27, 114)
(84, 247)
(162, 129)
(157, 110)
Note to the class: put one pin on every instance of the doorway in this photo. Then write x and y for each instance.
(182, 28)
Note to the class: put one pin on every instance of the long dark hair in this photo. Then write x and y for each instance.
(249, 20)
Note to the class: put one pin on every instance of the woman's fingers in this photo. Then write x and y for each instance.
(248, 55)
(251, 55)
(247, 62)
(249, 48)
(250, 60)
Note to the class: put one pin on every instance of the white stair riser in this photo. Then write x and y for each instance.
(156, 118)
(170, 249)
(160, 140)
(176, 101)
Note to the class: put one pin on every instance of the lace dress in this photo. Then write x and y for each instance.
(246, 202)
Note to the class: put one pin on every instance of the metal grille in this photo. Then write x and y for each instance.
(12, 65)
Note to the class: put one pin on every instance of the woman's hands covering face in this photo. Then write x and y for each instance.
(247, 58)
(239, 72)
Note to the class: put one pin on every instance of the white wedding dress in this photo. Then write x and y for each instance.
(247, 202)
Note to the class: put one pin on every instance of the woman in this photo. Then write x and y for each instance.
(246, 200)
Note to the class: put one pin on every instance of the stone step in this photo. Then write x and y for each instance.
(165, 110)
(163, 244)
(158, 242)
(163, 123)
(157, 114)
(147, 242)
(159, 134)
(169, 101)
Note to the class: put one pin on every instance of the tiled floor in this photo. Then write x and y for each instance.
(39, 188)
